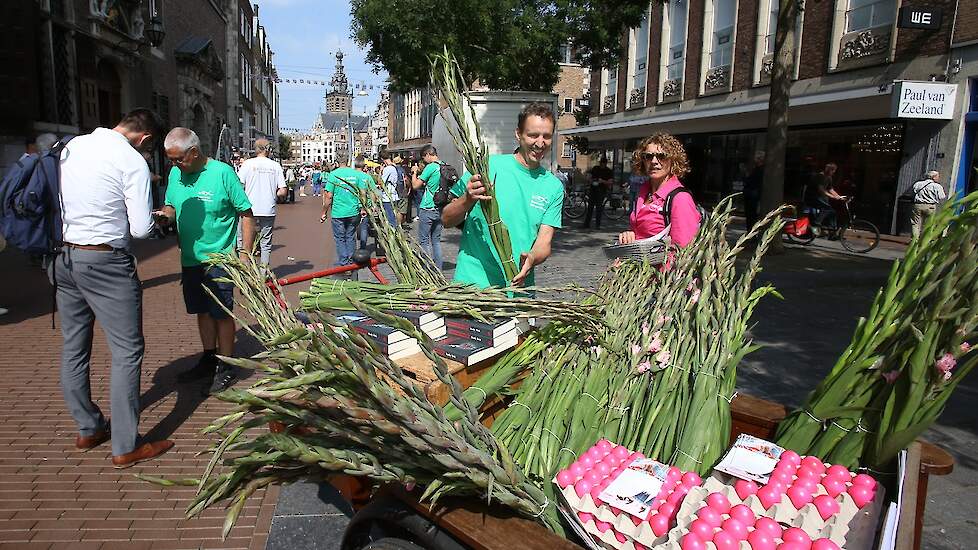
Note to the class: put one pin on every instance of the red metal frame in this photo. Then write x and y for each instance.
(372, 266)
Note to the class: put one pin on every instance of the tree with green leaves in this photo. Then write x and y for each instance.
(504, 44)
(284, 147)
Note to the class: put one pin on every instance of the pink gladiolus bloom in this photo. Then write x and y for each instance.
(663, 356)
(965, 347)
(696, 296)
(655, 345)
(947, 375)
(945, 363)
(644, 367)
(636, 349)
(890, 376)
(645, 329)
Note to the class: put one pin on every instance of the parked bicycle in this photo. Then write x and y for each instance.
(576, 202)
(855, 234)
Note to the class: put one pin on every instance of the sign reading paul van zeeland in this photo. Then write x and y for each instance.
(934, 100)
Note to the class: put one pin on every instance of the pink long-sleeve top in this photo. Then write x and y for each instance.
(647, 219)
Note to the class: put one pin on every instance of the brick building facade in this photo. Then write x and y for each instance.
(700, 69)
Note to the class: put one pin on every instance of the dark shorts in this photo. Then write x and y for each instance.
(194, 279)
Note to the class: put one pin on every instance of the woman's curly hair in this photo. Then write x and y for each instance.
(669, 144)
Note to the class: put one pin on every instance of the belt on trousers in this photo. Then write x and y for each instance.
(101, 247)
(925, 203)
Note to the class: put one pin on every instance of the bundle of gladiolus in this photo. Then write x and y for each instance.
(906, 357)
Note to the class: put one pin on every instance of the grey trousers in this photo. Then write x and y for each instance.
(101, 285)
(263, 227)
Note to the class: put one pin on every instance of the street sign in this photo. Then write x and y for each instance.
(920, 18)
(932, 100)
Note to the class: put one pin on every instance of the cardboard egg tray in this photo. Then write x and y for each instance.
(621, 522)
(851, 527)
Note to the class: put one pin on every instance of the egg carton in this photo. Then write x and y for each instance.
(607, 539)
(851, 527)
(623, 522)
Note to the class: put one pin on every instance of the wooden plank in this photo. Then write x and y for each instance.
(907, 536)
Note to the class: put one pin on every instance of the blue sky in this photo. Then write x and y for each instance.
(304, 36)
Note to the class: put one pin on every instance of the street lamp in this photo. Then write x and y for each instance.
(155, 31)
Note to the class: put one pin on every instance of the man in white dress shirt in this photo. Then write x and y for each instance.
(928, 193)
(106, 202)
(263, 181)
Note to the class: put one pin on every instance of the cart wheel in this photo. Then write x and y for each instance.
(390, 543)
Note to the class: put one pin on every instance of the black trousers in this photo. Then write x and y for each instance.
(595, 205)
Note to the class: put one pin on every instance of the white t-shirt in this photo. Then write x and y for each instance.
(262, 178)
(389, 179)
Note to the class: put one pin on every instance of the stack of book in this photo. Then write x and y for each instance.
(432, 324)
(394, 343)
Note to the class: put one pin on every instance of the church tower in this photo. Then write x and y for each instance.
(340, 98)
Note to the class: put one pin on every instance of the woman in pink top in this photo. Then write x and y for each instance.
(662, 158)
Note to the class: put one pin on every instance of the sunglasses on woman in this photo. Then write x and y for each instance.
(660, 156)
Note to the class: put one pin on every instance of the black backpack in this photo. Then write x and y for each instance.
(667, 206)
(448, 178)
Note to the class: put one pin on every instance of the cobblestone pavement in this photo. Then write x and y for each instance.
(54, 497)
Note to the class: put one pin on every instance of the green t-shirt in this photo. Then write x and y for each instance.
(527, 199)
(345, 203)
(207, 205)
(431, 176)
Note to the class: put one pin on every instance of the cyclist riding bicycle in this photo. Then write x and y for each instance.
(819, 196)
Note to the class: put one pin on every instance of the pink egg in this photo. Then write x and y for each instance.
(667, 486)
(595, 492)
(595, 454)
(761, 540)
(769, 526)
(593, 476)
(636, 456)
(602, 468)
(769, 496)
(691, 542)
(660, 524)
(667, 509)
(602, 526)
(565, 478)
(839, 471)
(577, 469)
(620, 537)
(824, 544)
(610, 461)
(620, 452)
(826, 505)
(805, 471)
(833, 486)
(604, 445)
(781, 476)
(790, 457)
(865, 480)
(743, 514)
(861, 495)
(725, 541)
(585, 517)
(718, 502)
(674, 474)
(745, 488)
(657, 503)
(786, 467)
(800, 496)
(807, 483)
(794, 534)
(736, 528)
(813, 463)
(691, 479)
(710, 516)
(794, 546)
(702, 529)
(675, 497)
(618, 470)
(582, 487)
(586, 460)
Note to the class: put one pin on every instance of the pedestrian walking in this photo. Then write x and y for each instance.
(602, 179)
(204, 198)
(928, 193)
(303, 180)
(530, 201)
(105, 202)
(264, 183)
(753, 185)
(341, 203)
(429, 217)
(390, 181)
(317, 181)
(290, 182)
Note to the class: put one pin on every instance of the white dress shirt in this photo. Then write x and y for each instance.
(262, 178)
(105, 190)
(928, 191)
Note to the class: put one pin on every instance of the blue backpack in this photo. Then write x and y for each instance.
(30, 202)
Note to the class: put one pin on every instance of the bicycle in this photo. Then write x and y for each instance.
(575, 204)
(615, 205)
(855, 234)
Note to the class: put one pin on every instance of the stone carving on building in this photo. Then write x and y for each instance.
(767, 68)
(124, 16)
(864, 44)
(672, 88)
(637, 97)
(717, 79)
(608, 105)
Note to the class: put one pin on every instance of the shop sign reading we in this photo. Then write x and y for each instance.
(920, 18)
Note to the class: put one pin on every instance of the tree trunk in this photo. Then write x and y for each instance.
(776, 142)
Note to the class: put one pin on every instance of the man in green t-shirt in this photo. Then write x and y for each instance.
(429, 218)
(530, 201)
(204, 199)
(342, 204)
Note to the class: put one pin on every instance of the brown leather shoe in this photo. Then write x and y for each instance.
(85, 443)
(145, 452)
